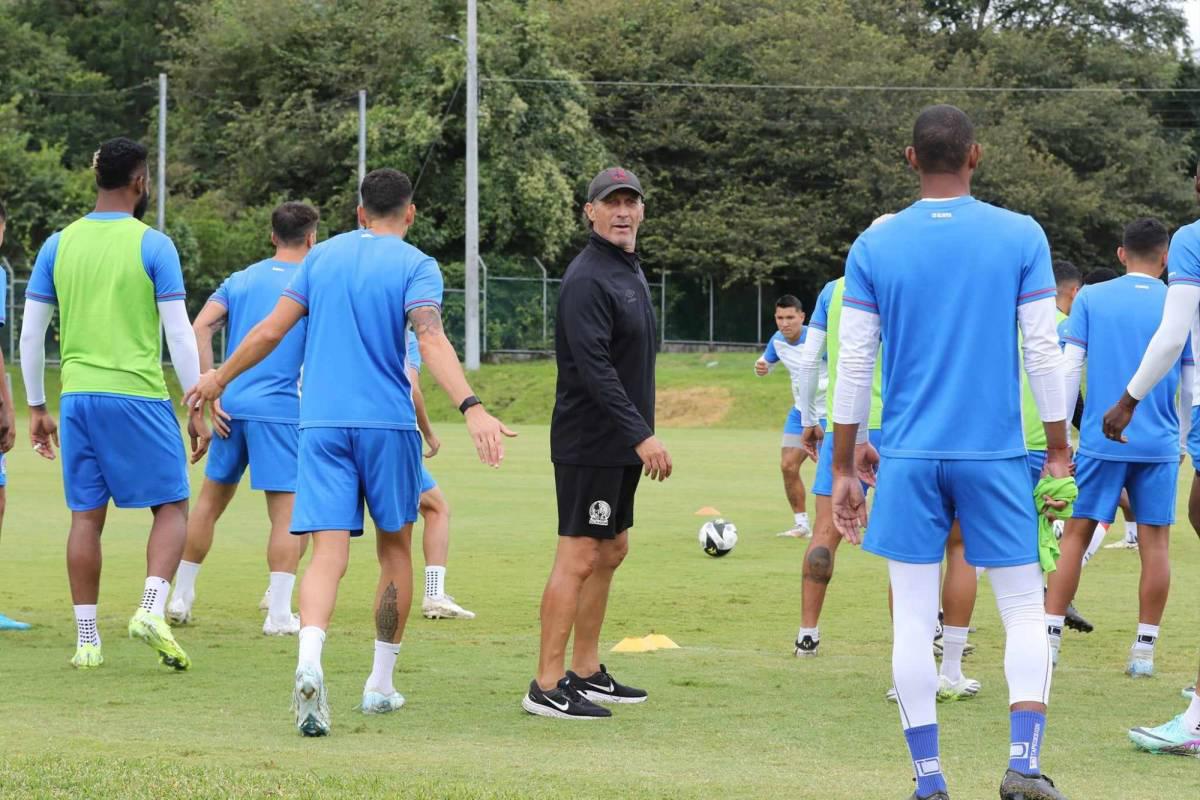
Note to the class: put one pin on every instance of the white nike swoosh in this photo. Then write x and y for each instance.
(610, 688)
(550, 700)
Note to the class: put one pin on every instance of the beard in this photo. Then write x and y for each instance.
(143, 204)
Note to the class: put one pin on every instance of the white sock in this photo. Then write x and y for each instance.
(86, 631)
(802, 518)
(185, 581)
(280, 608)
(1147, 635)
(312, 639)
(1054, 630)
(1130, 531)
(815, 633)
(380, 679)
(1094, 544)
(954, 641)
(154, 596)
(1191, 717)
(435, 581)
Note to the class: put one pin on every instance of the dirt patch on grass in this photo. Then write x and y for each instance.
(693, 407)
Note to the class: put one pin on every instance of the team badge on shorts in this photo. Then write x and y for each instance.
(599, 513)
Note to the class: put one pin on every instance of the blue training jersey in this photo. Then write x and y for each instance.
(358, 288)
(1114, 322)
(945, 278)
(1183, 257)
(270, 390)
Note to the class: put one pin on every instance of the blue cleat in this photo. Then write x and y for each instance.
(1140, 666)
(9, 624)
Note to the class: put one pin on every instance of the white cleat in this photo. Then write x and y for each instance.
(891, 696)
(179, 612)
(265, 603)
(380, 703)
(289, 627)
(444, 607)
(963, 689)
(1124, 544)
(801, 531)
(310, 702)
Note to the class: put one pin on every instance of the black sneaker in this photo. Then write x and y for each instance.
(1076, 622)
(807, 647)
(1018, 786)
(939, 795)
(603, 688)
(562, 702)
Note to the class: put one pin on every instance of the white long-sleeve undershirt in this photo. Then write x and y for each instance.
(35, 323)
(809, 378)
(181, 344)
(1043, 359)
(858, 347)
(1074, 355)
(1183, 300)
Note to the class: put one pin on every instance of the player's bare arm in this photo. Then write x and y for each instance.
(258, 344)
(438, 354)
(211, 319)
(418, 397)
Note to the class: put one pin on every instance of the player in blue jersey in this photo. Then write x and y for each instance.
(435, 509)
(785, 347)
(1109, 328)
(952, 443)
(8, 425)
(1181, 734)
(257, 421)
(358, 430)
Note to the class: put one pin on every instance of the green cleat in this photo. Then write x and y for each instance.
(1172, 738)
(310, 702)
(155, 632)
(87, 656)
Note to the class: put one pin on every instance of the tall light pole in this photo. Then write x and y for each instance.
(472, 216)
(162, 151)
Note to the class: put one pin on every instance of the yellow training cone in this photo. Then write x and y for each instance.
(631, 644)
(656, 641)
(708, 511)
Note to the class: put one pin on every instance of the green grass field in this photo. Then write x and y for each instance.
(732, 713)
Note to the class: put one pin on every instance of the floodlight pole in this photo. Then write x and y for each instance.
(162, 151)
(472, 211)
(362, 140)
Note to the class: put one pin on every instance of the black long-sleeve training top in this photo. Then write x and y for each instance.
(605, 344)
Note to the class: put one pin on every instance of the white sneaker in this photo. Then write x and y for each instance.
(179, 612)
(380, 703)
(963, 689)
(289, 627)
(800, 531)
(444, 607)
(310, 702)
(265, 603)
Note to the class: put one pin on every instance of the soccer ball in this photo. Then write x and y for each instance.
(718, 537)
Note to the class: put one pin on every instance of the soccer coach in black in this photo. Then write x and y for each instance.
(601, 441)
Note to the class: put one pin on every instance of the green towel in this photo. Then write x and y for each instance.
(1056, 489)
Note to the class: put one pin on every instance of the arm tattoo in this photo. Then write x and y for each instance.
(387, 617)
(425, 320)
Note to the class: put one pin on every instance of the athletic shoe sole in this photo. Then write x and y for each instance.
(537, 709)
(176, 659)
(600, 697)
(310, 693)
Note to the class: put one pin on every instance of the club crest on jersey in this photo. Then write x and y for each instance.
(599, 513)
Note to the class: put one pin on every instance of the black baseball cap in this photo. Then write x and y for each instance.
(610, 180)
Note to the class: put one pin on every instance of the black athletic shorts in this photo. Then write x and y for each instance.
(595, 501)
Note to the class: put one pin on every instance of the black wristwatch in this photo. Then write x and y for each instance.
(466, 404)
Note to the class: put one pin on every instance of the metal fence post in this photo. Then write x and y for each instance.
(545, 299)
(759, 320)
(662, 300)
(711, 311)
(10, 303)
(483, 306)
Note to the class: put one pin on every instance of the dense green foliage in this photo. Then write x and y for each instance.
(758, 183)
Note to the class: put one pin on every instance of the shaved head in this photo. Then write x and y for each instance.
(942, 139)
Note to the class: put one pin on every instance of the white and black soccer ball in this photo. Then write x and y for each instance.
(718, 537)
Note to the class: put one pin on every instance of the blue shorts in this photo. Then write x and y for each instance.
(1151, 488)
(269, 448)
(793, 428)
(128, 449)
(918, 499)
(1036, 460)
(428, 484)
(340, 468)
(823, 483)
(1193, 442)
